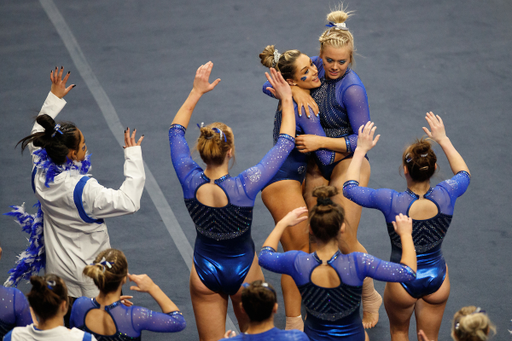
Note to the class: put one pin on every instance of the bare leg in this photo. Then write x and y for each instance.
(210, 326)
(399, 306)
(254, 274)
(280, 198)
(430, 309)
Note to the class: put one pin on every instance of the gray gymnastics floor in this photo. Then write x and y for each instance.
(134, 62)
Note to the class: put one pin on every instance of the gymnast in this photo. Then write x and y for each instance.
(284, 192)
(221, 206)
(14, 311)
(331, 282)
(259, 302)
(431, 210)
(343, 105)
(469, 324)
(74, 204)
(49, 301)
(107, 318)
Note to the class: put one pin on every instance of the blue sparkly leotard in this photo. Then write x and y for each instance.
(427, 234)
(129, 321)
(333, 313)
(14, 310)
(343, 106)
(224, 250)
(294, 167)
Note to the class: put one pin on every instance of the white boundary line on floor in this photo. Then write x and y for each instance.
(113, 122)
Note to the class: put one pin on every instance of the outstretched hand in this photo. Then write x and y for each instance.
(59, 88)
(280, 88)
(129, 141)
(437, 131)
(294, 217)
(402, 225)
(365, 138)
(201, 81)
(143, 283)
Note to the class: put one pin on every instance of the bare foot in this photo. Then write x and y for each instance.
(371, 311)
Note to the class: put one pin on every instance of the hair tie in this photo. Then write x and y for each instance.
(104, 262)
(424, 155)
(408, 158)
(337, 26)
(277, 56)
(50, 284)
(220, 133)
(200, 126)
(56, 129)
(324, 201)
(425, 168)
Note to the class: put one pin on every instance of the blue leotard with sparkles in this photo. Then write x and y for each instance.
(343, 106)
(129, 321)
(273, 334)
(333, 313)
(427, 234)
(224, 250)
(14, 310)
(294, 167)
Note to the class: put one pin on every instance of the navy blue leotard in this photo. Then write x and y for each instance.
(333, 313)
(14, 310)
(224, 250)
(343, 106)
(129, 321)
(427, 234)
(294, 167)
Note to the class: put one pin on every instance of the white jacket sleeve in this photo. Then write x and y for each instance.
(101, 202)
(52, 106)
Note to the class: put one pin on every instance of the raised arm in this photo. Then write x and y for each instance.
(365, 142)
(283, 92)
(54, 102)
(437, 132)
(201, 86)
(300, 96)
(403, 227)
(292, 218)
(143, 283)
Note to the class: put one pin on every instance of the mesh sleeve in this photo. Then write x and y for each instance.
(266, 91)
(313, 126)
(356, 103)
(180, 153)
(255, 178)
(380, 199)
(446, 193)
(145, 319)
(370, 266)
(277, 262)
(21, 309)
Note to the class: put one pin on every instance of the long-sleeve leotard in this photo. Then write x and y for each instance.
(129, 321)
(14, 311)
(428, 234)
(224, 250)
(333, 312)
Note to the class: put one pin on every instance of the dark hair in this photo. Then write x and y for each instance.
(326, 217)
(472, 324)
(108, 278)
(57, 145)
(211, 146)
(286, 63)
(420, 160)
(258, 300)
(47, 294)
